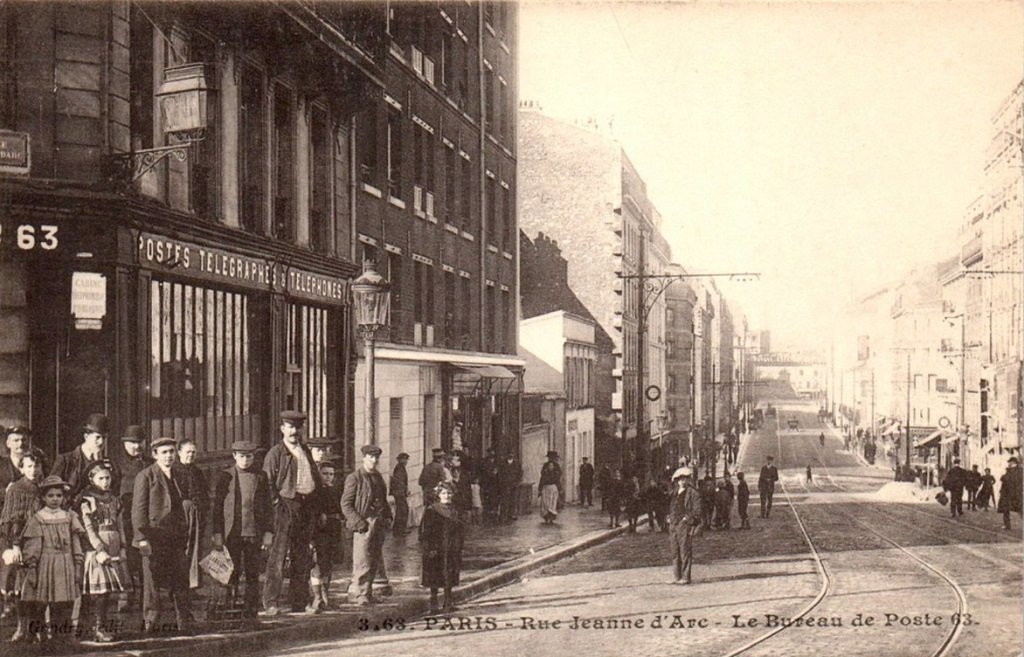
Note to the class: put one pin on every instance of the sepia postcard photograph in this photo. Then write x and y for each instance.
(419, 328)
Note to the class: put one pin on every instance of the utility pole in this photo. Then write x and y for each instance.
(640, 451)
(907, 451)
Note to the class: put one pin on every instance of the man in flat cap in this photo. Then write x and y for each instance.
(400, 491)
(364, 502)
(242, 520)
(683, 520)
(71, 466)
(160, 534)
(432, 474)
(294, 482)
(131, 459)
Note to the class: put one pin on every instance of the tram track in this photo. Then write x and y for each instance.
(828, 581)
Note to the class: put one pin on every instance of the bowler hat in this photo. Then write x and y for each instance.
(552, 454)
(160, 442)
(244, 446)
(133, 433)
(370, 450)
(437, 451)
(97, 423)
(20, 429)
(295, 417)
(53, 481)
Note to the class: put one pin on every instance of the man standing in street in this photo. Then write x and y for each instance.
(489, 486)
(586, 483)
(684, 520)
(1010, 491)
(294, 482)
(365, 505)
(972, 484)
(742, 499)
(71, 466)
(954, 482)
(160, 534)
(400, 491)
(766, 485)
(432, 474)
(131, 460)
(510, 473)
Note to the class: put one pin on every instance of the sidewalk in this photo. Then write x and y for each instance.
(493, 556)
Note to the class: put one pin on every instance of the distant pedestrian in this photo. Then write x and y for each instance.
(488, 477)
(723, 504)
(706, 488)
(611, 497)
(684, 522)
(809, 476)
(586, 483)
(462, 487)
(399, 490)
(821, 439)
(972, 485)
(478, 501)
(631, 502)
(441, 538)
(604, 478)
(655, 502)
(1010, 491)
(987, 491)
(550, 486)
(766, 485)
(510, 474)
(742, 499)
(432, 474)
(954, 482)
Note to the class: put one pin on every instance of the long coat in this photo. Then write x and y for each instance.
(441, 538)
(1010, 490)
(158, 516)
(71, 466)
(226, 496)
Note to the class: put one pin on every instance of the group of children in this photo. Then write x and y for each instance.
(63, 549)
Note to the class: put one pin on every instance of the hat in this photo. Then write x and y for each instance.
(244, 446)
(96, 465)
(97, 423)
(684, 471)
(437, 451)
(370, 450)
(327, 463)
(53, 481)
(320, 441)
(552, 454)
(1013, 459)
(160, 442)
(19, 429)
(295, 417)
(401, 456)
(133, 433)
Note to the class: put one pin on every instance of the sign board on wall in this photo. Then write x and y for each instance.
(88, 299)
(15, 152)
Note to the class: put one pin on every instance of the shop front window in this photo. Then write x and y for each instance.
(201, 373)
(308, 366)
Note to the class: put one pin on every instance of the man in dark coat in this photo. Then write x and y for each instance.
(706, 488)
(131, 459)
(766, 485)
(972, 485)
(432, 474)
(71, 466)
(242, 520)
(399, 490)
(18, 442)
(604, 478)
(1010, 490)
(197, 501)
(742, 499)
(683, 521)
(160, 534)
(954, 482)
(510, 473)
(586, 483)
(364, 503)
(488, 476)
(294, 482)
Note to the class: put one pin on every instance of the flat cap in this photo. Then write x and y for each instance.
(133, 433)
(401, 456)
(244, 446)
(320, 441)
(295, 417)
(327, 463)
(437, 451)
(160, 442)
(684, 471)
(370, 450)
(21, 429)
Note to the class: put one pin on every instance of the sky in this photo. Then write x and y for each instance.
(832, 147)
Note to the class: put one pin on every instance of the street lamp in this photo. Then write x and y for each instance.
(371, 295)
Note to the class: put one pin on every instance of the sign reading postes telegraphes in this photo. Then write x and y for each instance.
(217, 265)
(88, 299)
(15, 152)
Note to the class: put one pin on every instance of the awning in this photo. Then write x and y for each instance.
(892, 428)
(932, 438)
(478, 380)
(949, 437)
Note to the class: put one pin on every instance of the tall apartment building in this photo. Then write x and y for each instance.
(176, 207)
(680, 366)
(578, 186)
(435, 207)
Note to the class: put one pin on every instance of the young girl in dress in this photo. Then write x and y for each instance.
(441, 537)
(105, 557)
(21, 501)
(52, 557)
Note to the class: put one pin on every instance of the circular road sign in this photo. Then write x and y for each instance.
(653, 393)
(944, 422)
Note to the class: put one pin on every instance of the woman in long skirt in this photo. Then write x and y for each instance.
(550, 488)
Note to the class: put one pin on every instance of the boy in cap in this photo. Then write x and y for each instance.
(367, 513)
(326, 537)
(684, 521)
(294, 480)
(242, 520)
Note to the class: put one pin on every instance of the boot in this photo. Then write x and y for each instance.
(314, 606)
(100, 607)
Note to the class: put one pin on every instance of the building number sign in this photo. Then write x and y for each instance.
(29, 237)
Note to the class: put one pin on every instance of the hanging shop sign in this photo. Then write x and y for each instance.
(15, 152)
(218, 265)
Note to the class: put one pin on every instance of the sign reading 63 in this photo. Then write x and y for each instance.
(28, 237)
